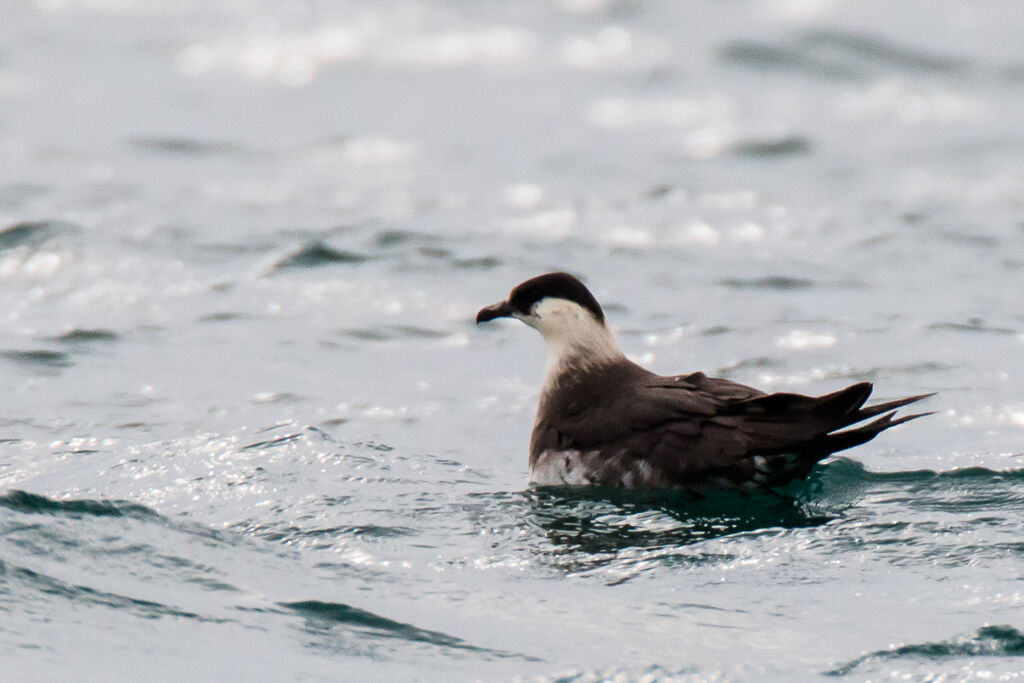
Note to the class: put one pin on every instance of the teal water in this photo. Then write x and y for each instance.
(249, 430)
(376, 570)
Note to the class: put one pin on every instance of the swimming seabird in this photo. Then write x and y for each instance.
(604, 420)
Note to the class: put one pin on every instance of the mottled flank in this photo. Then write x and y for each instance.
(594, 468)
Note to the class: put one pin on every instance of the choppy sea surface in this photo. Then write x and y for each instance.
(249, 431)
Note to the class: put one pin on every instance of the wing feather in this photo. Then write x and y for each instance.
(688, 428)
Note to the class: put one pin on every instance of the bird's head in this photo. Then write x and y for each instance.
(564, 311)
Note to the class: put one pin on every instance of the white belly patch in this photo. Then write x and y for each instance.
(589, 468)
(560, 468)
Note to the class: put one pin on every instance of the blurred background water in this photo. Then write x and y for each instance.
(247, 428)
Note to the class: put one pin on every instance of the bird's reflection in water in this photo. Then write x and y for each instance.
(589, 528)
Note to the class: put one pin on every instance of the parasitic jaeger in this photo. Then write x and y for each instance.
(603, 420)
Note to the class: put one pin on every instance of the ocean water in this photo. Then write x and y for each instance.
(248, 429)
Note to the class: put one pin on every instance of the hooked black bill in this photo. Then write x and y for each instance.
(494, 311)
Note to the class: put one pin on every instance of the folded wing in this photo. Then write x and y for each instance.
(694, 431)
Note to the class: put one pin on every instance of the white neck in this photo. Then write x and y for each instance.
(575, 339)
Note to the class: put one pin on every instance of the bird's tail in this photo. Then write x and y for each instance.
(837, 413)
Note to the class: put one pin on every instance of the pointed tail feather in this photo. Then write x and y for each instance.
(840, 409)
(848, 438)
(798, 464)
(871, 411)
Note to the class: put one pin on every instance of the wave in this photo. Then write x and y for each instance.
(841, 56)
(34, 233)
(766, 148)
(334, 613)
(187, 146)
(92, 596)
(22, 501)
(317, 254)
(81, 335)
(775, 282)
(988, 641)
(37, 358)
(390, 332)
(330, 535)
(340, 613)
(848, 469)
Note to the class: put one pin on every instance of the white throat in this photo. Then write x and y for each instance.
(575, 339)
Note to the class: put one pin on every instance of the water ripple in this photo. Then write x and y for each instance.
(323, 616)
(187, 146)
(22, 501)
(317, 254)
(34, 233)
(988, 641)
(788, 146)
(775, 282)
(41, 359)
(85, 336)
(839, 55)
(91, 596)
